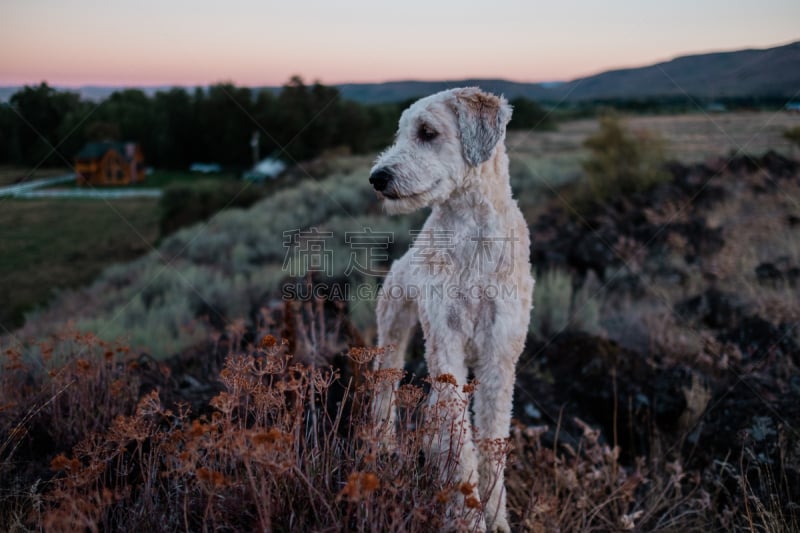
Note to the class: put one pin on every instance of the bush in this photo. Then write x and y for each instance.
(793, 136)
(284, 447)
(221, 269)
(560, 306)
(528, 115)
(621, 162)
(94, 438)
(58, 393)
(184, 204)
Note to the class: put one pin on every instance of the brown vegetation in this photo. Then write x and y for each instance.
(659, 389)
(93, 437)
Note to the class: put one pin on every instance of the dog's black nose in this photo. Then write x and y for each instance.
(380, 179)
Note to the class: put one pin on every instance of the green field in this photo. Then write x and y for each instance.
(10, 174)
(61, 243)
(49, 244)
(163, 178)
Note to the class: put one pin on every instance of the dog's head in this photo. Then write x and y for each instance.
(439, 139)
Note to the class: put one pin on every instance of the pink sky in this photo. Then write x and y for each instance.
(151, 42)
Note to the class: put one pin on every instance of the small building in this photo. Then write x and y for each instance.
(205, 168)
(268, 168)
(110, 163)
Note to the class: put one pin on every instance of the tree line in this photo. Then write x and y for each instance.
(43, 126)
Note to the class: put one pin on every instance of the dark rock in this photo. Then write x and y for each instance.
(779, 166)
(756, 428)
(771, 165)
(715, 308)
(593, 251)
(212, 314)
(743, 164)
(792, 276)
(704, 240)
(769, 274)
(644, 232)
(677, 169)
(669, 400)
(794, 385)
(605, 385)
(670, 275)
(758, 339)
(690, 178)
(709, 196)
(627, 284)
(694, 186)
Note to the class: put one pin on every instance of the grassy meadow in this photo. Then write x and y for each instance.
(52, 245)
(11, 174)
(658, 390)
(59, 244)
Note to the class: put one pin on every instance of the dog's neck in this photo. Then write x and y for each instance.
(486, 192)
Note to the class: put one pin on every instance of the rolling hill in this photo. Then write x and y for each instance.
(773, 72)
(770, 72)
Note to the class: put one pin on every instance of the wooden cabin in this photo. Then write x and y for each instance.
(110, 163)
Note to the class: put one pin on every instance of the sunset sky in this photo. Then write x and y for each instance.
(163, 42)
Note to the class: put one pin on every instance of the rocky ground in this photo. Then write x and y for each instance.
(694, 360)
(730, 408)
(736, 399)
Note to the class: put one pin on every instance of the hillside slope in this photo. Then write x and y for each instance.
(770, 72)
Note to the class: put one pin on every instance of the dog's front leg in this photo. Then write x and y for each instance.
(492, 406)
(449, 429)
(396, 319)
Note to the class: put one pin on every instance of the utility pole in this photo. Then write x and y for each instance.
(254, 145)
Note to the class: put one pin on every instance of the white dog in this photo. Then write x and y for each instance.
(467, 281)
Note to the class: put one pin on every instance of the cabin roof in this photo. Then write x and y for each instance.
(95, 150)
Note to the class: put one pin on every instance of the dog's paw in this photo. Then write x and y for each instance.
(500, 526)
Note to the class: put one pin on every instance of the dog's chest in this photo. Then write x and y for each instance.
(463, 252)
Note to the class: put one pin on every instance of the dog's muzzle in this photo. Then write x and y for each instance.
(380, 179)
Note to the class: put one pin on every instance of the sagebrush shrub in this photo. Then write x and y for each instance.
(621, 162)
(793, 136)
(560, 306)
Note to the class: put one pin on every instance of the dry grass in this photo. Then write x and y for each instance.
(287, 446)
(587, 489)
(89, 441)
(543, 162)
(691, 138)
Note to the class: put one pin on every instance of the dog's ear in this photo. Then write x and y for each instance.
(482, 120)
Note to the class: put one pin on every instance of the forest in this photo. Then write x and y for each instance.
(177, 127)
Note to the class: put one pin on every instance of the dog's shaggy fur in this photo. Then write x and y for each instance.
(466, 280)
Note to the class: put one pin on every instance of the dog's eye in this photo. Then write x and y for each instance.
(426, 133)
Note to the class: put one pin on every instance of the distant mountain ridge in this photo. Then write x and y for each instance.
(773, 72)
(765, 72)
(770, 72)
